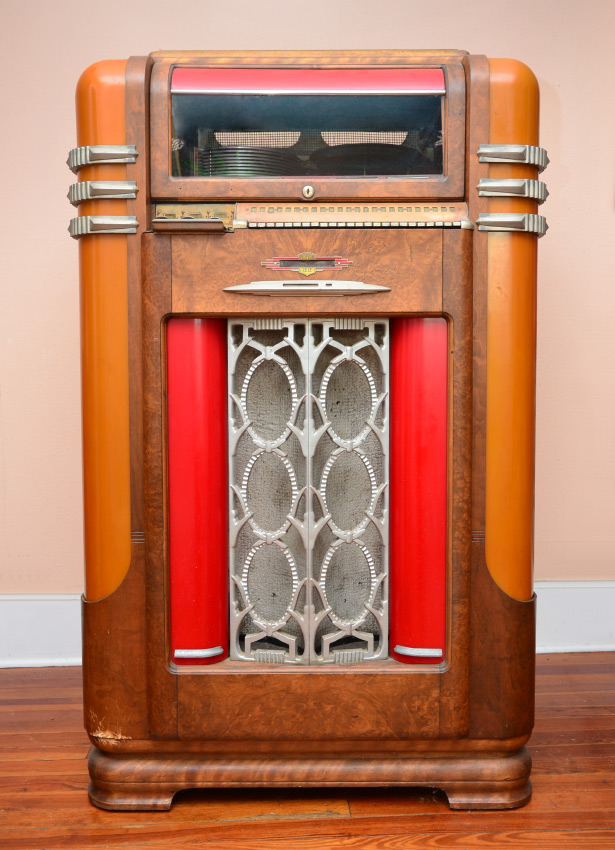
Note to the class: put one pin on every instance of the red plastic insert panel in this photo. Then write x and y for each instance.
(419, 359)
(198, 489)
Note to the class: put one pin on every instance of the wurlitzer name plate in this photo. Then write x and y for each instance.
(307, 287)
(194, 217)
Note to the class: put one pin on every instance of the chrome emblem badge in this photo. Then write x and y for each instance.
(306, 263)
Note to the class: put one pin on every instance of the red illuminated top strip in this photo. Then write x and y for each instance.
(307, 81)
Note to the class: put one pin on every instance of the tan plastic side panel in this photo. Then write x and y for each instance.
(100, 99)
(511, 345)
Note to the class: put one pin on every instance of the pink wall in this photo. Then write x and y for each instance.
(47, 45)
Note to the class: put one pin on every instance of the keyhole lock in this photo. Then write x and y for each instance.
(308, 192)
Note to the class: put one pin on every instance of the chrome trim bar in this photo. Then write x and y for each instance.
(419, 652)
(89, 225)
(513, 222)
(101, 155)
(509, 187)
(522, 154)
(464, 225)
(307, 287)
(198, 653)
(94, 190)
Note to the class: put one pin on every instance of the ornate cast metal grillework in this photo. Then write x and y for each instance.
(308, 449)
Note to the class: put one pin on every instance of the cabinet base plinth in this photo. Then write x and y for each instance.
(148, 782)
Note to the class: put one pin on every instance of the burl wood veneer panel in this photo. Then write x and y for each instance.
(409, 262)
(319, 705)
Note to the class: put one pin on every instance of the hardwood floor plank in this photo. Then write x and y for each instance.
(42, 746)
(572, 766)
(77, 751)
(195, 809)
(25, 803)
(574, 683)
(47, 767)
(38, 692)
(54, 677)
(572, 737)
(601, 839)
(45, 701)
(575, 724)
(60, 718)
(489, 824)
(564, 700)
(546, 662)
(558, 749)
(545, 712)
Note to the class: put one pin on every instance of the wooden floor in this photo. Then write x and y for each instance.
(44, 805)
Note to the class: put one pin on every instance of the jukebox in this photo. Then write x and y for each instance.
(308, 301)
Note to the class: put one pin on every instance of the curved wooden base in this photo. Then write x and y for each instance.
(148, 782)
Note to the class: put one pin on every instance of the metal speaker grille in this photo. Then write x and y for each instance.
(259, 139)
(365, 137)
(308, 500)
(310, 138)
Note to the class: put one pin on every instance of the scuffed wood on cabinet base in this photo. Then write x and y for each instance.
(149, 782)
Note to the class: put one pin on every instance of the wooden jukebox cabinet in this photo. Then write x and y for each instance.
(308, 295)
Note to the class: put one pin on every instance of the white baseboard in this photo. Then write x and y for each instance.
(44, 630)
(40, 630)
(575, 616)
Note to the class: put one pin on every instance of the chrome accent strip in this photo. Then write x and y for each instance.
(419, 652)
(524, 154)
(93, 190)
(89, 225)
(513, 222)
(268, 324)
(495, 187)
(348, 323)
(348, 656)
(101, 155)
(307, 287)
(270, 656)
(198, 653)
